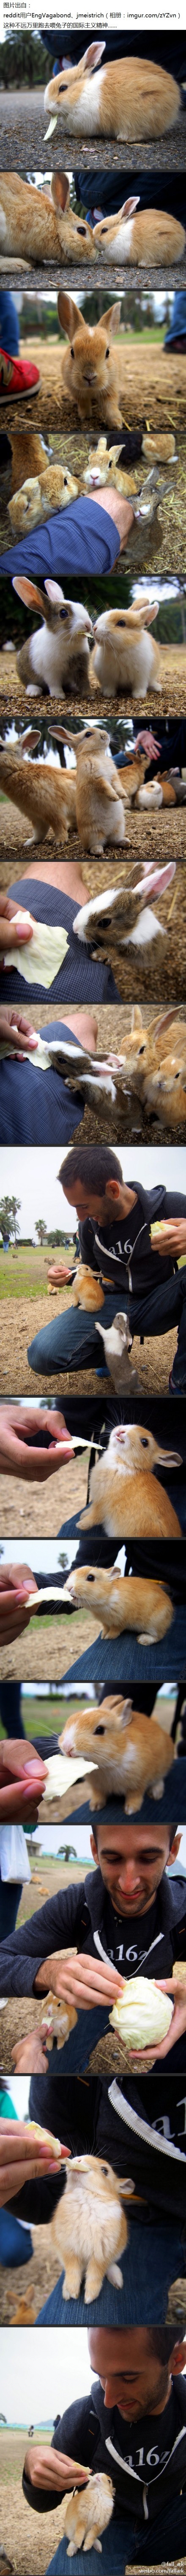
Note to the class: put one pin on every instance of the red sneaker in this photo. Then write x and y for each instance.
(16, 378)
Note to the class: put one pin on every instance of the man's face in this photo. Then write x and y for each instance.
(131, 2375)
(105, 1211)
(132, 1859)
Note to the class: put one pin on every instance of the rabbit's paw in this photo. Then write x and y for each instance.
(158, 1790)
(115, 2275)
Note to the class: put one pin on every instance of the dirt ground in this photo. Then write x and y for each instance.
(30, 2543)
(153, 381)
(20, 1321)
(41, 1509)
(46, 1649)
(161, 968)
(173, 693)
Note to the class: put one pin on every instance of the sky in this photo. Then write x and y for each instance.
(41, 2374)
(32, 1178)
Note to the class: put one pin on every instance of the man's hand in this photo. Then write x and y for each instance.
(16, 1581)
(51, 2468)
(22, 1782)
(148, 743)
(171, 1238)
(24, 2157)
(58, 1272)
(17, 1033)
(19, 1425)
(13, 933)
(29, 2056)
(117, 509)
(82, 1981)
(176, 1988)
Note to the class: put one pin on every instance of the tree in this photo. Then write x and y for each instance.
(41, 1230)
(8, 1219)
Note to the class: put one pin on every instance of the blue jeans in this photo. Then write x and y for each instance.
(9, 326)
(154, 2258)
(121, 1659)
(72, 1341)
(128, 2540)
(15, 2240)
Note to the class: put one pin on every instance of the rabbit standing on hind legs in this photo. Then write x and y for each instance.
(89, 2227)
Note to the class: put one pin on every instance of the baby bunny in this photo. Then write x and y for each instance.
(153, 240)
(99, 797)
(160, 449)
(87, 2512)
(89, 2228)
(121, 915)
(39, 226)
(90, 366)
(132, 1757)
(122, 1492)
(117, 1346)
(45, 795)
(87, 1290)
(130, 99)
(125, 655)
(49, 660)
(41, 493)
(165, 1091)
(57, 2021)
(104, 461)
(121, 1601)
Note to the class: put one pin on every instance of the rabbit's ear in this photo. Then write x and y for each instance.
(70, 318)
(101, 449)
(55, 594)
(62, 734)
(33, 598)
(30, 738)
(59, 189)
(92, 56)
(129, 208)
(112, 316)
(151, 611)
(137, 1016)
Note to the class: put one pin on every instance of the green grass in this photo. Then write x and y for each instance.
(44, 1717)
(24, 1274)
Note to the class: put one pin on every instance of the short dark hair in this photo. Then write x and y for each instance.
(95, 1164)
(163, 2340)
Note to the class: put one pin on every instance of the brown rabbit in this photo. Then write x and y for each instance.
(51, 489)
(151, 239)
(99, 799)
(132, 1758)
(160, 449)
(57, 2021)
(103, 462)
(123, 1495)
(87, 1291)
(85, 2513)
(29, 454)
(89, 2228)
(42, 794)
(165, 1091)
(90, 365)
(130, 99)
(39, 226)
(121, 1602)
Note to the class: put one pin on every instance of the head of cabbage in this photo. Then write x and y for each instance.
(142, 2015)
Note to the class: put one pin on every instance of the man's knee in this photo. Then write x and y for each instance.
(38, 1354)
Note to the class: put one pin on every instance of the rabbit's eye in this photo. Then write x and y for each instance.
(144, 1444)
(72, 353)
(99, 1730)
(65, 486)
(107, 353)
(104, 2169)
(82, 230)
(141, 1050)
(90, 1578)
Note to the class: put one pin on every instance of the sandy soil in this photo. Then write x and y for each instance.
(173, 691)
(46, 1649)
(30, 2543)
(41, 1509)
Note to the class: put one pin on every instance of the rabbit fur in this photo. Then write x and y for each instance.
(86, 2512)
(121, 916)
(48, 661)
(121, 1602)
(87, 1290)
(41, 226)
(130, 99)
(91, 366)
(104, 461)
(151, 239)
(45, 795)
(89, 2227)
(122, 1492)
(133, 1756)
(125, 655)
(99, 798)
(57, 2021)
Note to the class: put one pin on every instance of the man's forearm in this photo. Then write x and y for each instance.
(43, 1979)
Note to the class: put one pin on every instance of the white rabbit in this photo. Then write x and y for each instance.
(41, 493)
(48, 661)
(123, 1495)
(125, 655)
(117, 1346)
(39, 226)
(129, 98)
(89, 2227)
(151, 240)
(87, 2512)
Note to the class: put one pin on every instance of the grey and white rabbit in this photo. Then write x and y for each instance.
(48, 661)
